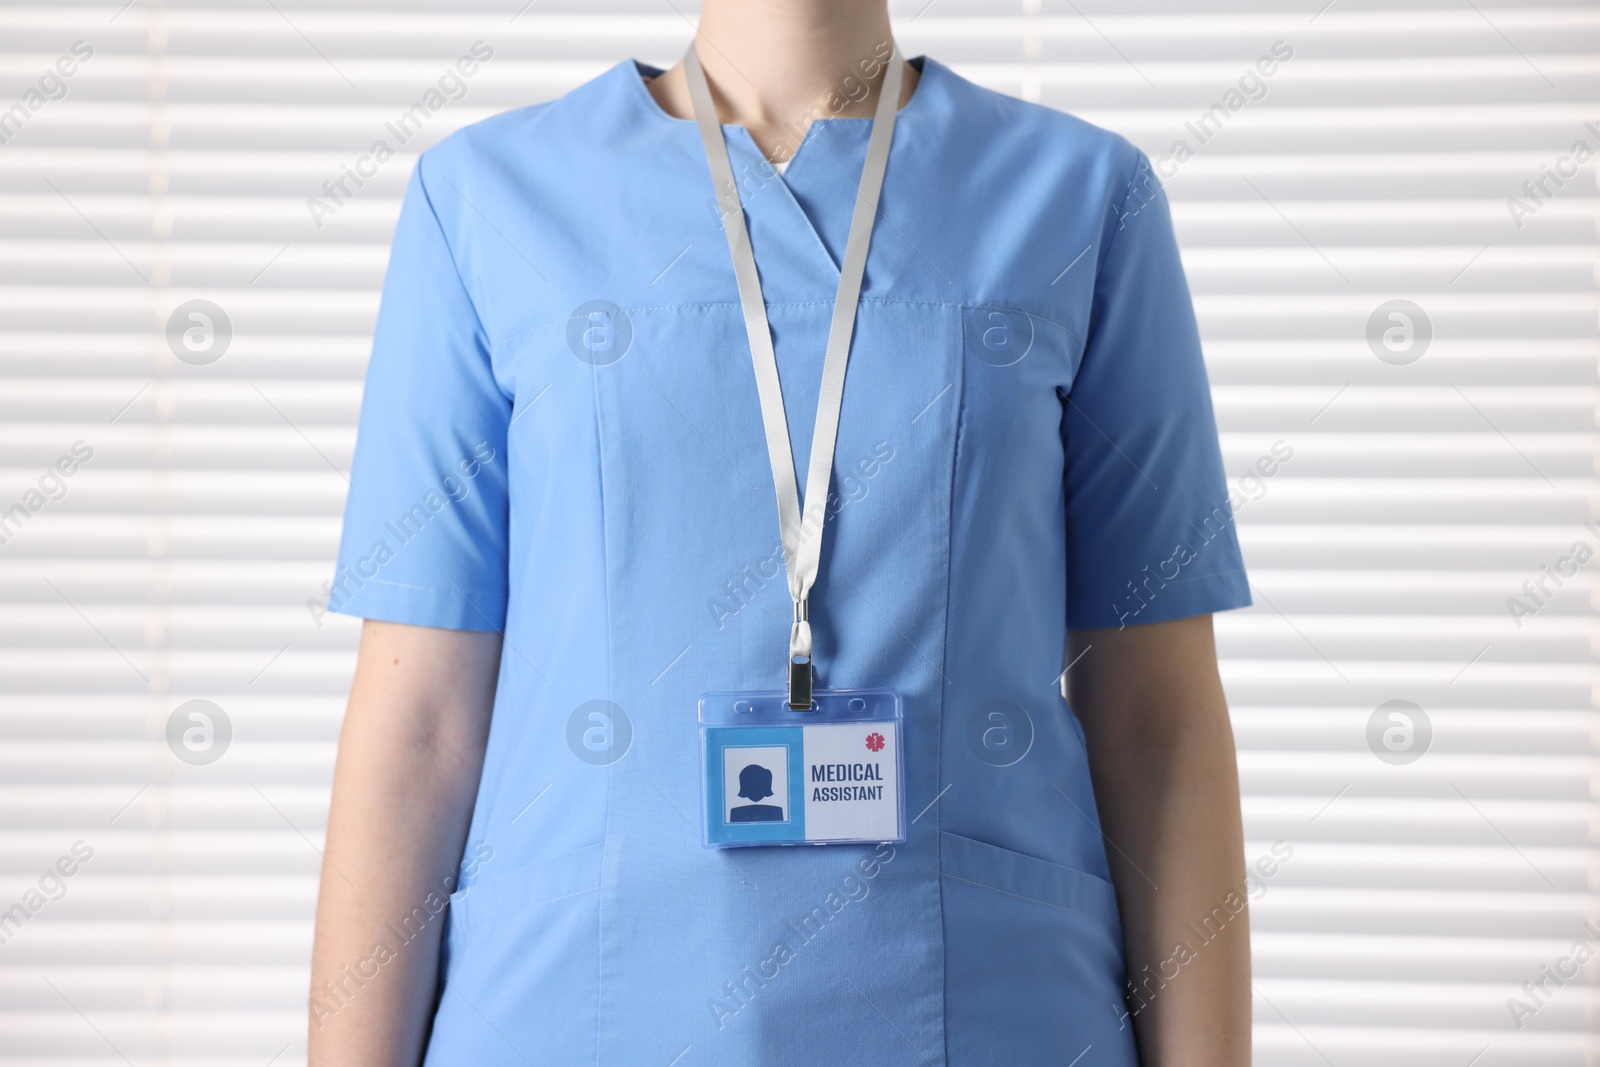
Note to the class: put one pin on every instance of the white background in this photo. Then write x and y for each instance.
(1418, 499)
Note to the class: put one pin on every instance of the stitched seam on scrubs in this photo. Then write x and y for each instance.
(423, 588)
(605, 839)
(1075, 335)
(1020, 896)
(455, 265)
(501, 913)
(702, 305)
(960, 357)
(1092, 325)
(1204, 577)
(1140, 162)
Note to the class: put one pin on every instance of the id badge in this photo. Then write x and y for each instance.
(774, 776)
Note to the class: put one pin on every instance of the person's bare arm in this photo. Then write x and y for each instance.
(410, 754)
(1166, 781)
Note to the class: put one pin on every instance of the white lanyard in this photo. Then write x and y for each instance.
(802, 537)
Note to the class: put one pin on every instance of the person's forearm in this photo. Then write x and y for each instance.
(410, 755)
(1162, 758)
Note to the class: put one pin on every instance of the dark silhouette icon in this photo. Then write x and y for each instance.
(755, 785)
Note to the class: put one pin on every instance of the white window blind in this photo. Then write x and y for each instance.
(1421, 471)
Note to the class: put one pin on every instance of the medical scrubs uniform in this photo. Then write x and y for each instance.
(561, 440)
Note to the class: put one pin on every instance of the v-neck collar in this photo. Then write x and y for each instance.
(743, 146)
(793, 202)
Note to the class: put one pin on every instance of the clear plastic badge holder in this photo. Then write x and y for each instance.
(829, 775)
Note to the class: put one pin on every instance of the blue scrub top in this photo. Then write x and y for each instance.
(561, 439)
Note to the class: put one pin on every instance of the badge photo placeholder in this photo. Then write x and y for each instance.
(755, 783)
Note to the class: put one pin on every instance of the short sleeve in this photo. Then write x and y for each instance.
(425, 525)
(1150, 531)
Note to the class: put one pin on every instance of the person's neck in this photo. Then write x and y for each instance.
(775, 65)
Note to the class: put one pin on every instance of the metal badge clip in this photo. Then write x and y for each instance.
(800, 683)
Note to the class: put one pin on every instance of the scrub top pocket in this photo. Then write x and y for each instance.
(496, 894)
(518, 951)
(1033, 954)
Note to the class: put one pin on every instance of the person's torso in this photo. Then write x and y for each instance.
(645, 570)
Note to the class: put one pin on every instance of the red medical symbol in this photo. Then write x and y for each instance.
(875, 742)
